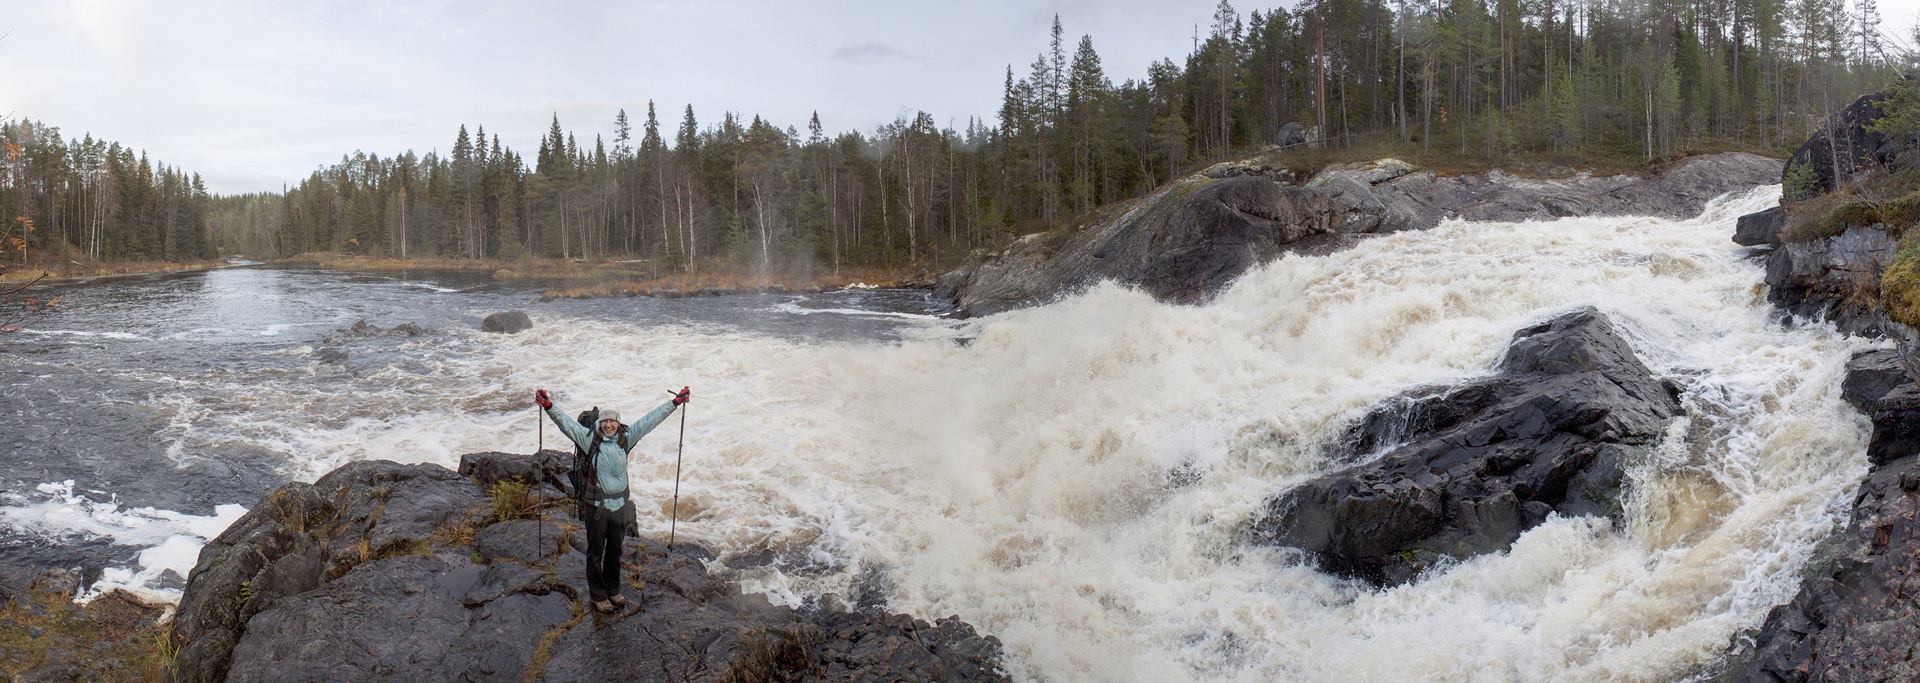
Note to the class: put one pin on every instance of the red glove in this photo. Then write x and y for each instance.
(686, 394)
(540, 398)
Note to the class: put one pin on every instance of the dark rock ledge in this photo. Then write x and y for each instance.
(1465, 470)
(384, 571)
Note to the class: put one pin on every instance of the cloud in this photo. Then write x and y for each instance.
(868, 53)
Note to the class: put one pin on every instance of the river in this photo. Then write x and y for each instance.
(1075, 478)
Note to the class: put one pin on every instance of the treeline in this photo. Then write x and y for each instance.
(82, 197)
(1477, 81)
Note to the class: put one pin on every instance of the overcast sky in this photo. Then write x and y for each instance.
(253, 95)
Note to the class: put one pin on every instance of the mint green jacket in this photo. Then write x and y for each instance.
(610, 460)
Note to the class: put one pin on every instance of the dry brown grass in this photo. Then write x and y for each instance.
(118, 636)
(543, 650)
(513, 500)
(1885, 198)
(77, 269)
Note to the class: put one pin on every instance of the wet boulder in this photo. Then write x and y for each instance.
(1879, 385)
(546, 467)
(300, 536)
(1446, 474)
(1180, 244)
(1760, 229)
(507, 322)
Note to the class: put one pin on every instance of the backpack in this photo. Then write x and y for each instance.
(584, 478)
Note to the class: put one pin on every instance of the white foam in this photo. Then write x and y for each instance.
(86, 333)
(796, 309)
(172, 539)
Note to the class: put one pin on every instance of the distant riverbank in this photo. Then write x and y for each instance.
(571, 279)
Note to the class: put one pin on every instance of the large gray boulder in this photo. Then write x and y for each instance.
(1760, 229)
(1293, 134)
(508, 322)
(383, 571)
(1450, 474)
(303, 535)
(1194, 236)
(1180, 244)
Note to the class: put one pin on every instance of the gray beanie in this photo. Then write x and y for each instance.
(610, 415)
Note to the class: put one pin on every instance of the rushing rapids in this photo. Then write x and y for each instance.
(1076, 479)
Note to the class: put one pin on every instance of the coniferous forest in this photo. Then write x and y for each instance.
(1465, 81)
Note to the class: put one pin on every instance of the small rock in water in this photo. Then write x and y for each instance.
(170, 580)
(509, 322)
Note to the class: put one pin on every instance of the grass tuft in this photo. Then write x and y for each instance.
(513, 500)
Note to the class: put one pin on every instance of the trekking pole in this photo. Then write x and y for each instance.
(539, 527)
(674, 526)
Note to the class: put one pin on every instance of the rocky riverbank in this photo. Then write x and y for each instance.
(384, 571)
(1192, 237)
(1853, 617)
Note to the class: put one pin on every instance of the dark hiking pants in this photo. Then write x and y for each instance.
(606, 530)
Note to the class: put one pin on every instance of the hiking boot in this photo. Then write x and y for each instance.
(604, 606)
(619, 601)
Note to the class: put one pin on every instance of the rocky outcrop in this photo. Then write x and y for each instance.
(1854, 617)
(1760, 229)
(1450, 474)
(1833, 279)
(507, 322)
(1192, 237)
(1880, 385)
(1180, 244)
(412, 572)
(1843, 148)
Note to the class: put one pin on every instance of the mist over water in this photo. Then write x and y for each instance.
(1077, 478)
